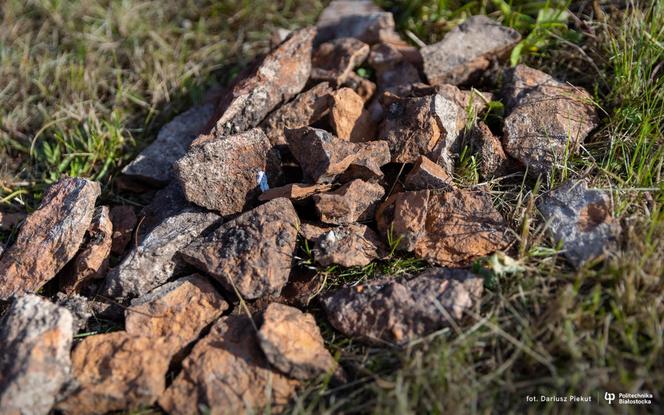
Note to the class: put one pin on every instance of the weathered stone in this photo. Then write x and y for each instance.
(304, 110)
(348, 117)
(294, 191)
(154, 164)
(362, 20)
(177, 311)
(167, 202)
(426, 174)
(281, 75)
(492, 161)
(398, 311)
(227, 373)
(293, 344)
(49, 237)
(354, 201)
(153, 261)
(362, 86)
(468, 50)
(116, 372)
(473, 99)
(323, 156)
(450, 228)
(548, 121)
(225, 174)
(349, 246)
(313, 231)
(124, 221)
(8, 220)
(35, 338)
(278, 36)
(251, 253)
(78, 306)
(334, 61)
(392, 68)
(581, 219)
(92, 261)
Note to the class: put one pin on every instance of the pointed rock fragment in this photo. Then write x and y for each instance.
(349, 246)
(426, 174)
(354, 201)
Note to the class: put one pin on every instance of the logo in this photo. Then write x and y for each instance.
(609, 397)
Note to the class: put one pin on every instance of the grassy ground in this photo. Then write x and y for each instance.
(85, 84)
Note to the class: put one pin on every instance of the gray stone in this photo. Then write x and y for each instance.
(354, 201)
(349, 246)
(362, 20)
(491, 158)
(78, 306)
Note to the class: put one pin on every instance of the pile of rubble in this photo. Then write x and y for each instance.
(205, 279)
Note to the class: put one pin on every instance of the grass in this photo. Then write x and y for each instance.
(84, 85)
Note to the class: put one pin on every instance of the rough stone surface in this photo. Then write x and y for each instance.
(293, 344)
(35, 338)
(251, 253)
(450, 228)
(392, 68)
(468, 50)
(323, 156)
(348, 117)
(116, 372)
(335, 60)
(426, 174)
(305, 109)
(154, 164)
(78, 306)
(581, 219)
(354, 201)
(313, 231)
(167, 202)
(492, 161)
(548, 120)
(474, 100)
(124, 221)
(153, 261)
(49, 237)
(224, 174)
(362, 20)
(397, 311)
(92, 261)
(227, 373)
(294, 191)
(177, 311)
(281, 75)
(8, 220)
(349, 246)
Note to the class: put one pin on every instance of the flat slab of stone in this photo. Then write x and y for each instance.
(468, 50)
(227, 372)
(334, 61)
(152, 262)
(35, 338)
(426, 174)
(155, 163)
(355, 201)
(225, 174)
(352, 245)
(251, 253)
(349, 120)
(294, 191)
(49, 237)
(362, 20)
(581, 219)
(397, 311)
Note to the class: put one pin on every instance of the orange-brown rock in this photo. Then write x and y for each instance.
(49, 237)
(92, 261)
(124, 220)
(313, 231)
(117, 372)
(348, 117)
(335, 60)
(349, 246)
(491, 158)
(177, 311)
(450, 228)
(227, 373)
(251, 253)
(294, 191)
(292, 343)
(426, 174)
(354, 201)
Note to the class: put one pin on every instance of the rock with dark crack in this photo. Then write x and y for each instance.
(348, 117)
(304, 110)
(548, 121)
(251, 253)
(227, 373)
(124, 221)
(349, 245)
(491, 159)
(178, 311)
(153, 262)
(581, 219)
(355, 201)
(49, 237)
(324, 156)
(154, 164)
(294, 191)
(450, 228)
(335, 60)
(225, 174)
(116, 372)
(92, 260)
(468, 50)
(361, 19)
(426, 174)
(397, 310)
(35, 338)
(281, 75)
(292, 343)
